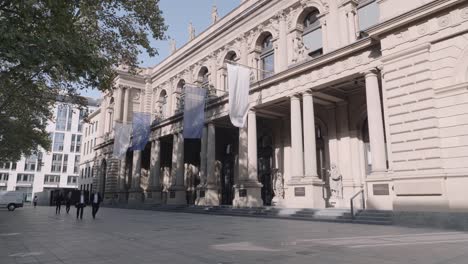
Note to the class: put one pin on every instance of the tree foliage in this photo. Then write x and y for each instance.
(56, 47)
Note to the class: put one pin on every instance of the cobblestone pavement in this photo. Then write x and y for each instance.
(30, 235)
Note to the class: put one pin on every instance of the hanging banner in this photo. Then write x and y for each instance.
(141, 130)
(239, 86)
(194, 111)
(121, 139)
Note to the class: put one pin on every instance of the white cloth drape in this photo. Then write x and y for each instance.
(239, 85)
(121, 139)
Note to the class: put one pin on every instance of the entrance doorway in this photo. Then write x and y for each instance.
(265, 162)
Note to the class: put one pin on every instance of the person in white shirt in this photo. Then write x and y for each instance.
(95, 202)
(80, 205)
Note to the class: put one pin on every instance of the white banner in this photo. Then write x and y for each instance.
(239, 86)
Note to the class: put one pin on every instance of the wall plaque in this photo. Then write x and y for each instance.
(381, 189)
(172, 194)
(202, 194)
(299, 191)
(242, 192)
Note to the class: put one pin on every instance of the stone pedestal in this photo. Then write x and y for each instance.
(305, 192)
(135, 197)
(177, 196)
(212, 196)
(153, 196)
(201, 193)
(247, 194)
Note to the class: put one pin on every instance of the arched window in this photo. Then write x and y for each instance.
(231, 56)
(267, 56)
(204, 77)
(180, 93)
(161, 111)
(312, 34)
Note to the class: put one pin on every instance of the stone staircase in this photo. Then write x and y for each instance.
(335, 215)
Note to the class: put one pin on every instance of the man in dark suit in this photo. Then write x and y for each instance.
(80, 204)
(58, 203)
(96, 200)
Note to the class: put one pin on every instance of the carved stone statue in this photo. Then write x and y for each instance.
(214, 14)
(299, 50)
(166, 178)
(173, 45)
(336, 182)
(278, 182)
(191, 31)
(217, 173)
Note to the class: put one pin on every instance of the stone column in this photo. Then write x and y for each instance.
(248, 189)
(350, 19)
(135, 194)
(211, 195)
(118, 105)
(304, 189)
(153, 195)
(122, 178)
(125, 105)
(177, 192)
(203, 160)
(296, 137)
(310, 155)
(375, 120)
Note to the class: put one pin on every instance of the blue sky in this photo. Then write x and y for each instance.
(178, 14)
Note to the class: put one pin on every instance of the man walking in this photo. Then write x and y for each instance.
(95, 202)
(80, 205)
(35, 201)
(58, 203)
(68, 202)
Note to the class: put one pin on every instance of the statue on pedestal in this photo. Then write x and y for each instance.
(336, 182)
(191, 31)
(278, 187)
(173, 45)
(214, 14)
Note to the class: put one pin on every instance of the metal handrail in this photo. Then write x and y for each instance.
(352, 201)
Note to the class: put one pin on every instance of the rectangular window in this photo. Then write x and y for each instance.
(268, 65)
(61, 122)
(69, 118)
(51, 179)
(78, 143)
(30, 163)
(39, 161)
(13, 166)
(73, 143)
(76, 164)
(5, 165)
(368, 14)
(65, 163)
(58, 141)
(56, 163)
(81, 117)
(25, 178)
(72, 180)
(3, 177)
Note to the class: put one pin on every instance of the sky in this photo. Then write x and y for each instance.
(178, 14)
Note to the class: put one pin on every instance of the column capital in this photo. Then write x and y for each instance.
(371, 72)
(308, 93)
(296, 96)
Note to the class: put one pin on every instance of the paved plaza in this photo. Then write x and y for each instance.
(31, 235)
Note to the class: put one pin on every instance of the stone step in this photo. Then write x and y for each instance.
(372, 222)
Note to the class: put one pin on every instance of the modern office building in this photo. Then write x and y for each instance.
(345, 96)
(57, 168)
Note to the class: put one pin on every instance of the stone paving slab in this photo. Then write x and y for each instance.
(37, 235)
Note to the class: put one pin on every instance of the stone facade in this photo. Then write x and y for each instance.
(381, 109)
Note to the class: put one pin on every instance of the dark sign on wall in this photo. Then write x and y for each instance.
(202, 194)
(172, 194)
(299, 191)
(242, 192)
(381, 189)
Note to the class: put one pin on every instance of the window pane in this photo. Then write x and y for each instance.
(268, 65)
(313, 40)
(368, 15)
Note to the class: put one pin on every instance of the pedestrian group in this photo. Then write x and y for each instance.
(80, 203)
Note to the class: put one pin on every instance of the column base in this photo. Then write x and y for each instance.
(305, 192)
(212, 196)
(154, 195)
(247, 194)
(111, 198)
(177, 196)
(135, 197)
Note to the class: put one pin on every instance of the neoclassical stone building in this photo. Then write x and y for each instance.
(345, 96)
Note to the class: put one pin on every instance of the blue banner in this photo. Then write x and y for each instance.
(194, 111)
(141, 130)
(121, 139)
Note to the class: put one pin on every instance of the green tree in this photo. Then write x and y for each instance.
(60, 47)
